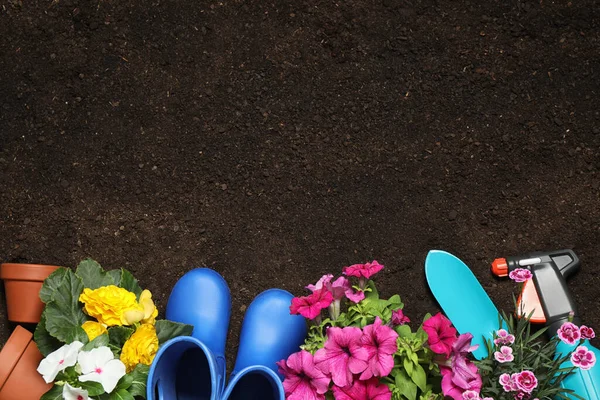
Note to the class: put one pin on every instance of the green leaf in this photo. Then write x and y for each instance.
(130, 283)
(140, 377)
(64, 315)
(166, 330)
(406, 386)
(116, 275)
(93, 388)
(403, 331)
(408, 366)
(52, 283)
(125, 382)
(419, 377)
(395, 302)
(118, 335)
(44, 341)
(99, 341)
(92, 274)
(121, 394)
(55, 393)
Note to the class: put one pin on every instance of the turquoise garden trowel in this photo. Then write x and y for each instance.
(462, 298)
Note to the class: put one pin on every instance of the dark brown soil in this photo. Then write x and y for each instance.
(276, 141)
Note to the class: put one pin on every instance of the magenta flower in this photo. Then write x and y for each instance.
(398, 317)
(507, 382)
(504, 355)
(569, 333)
(363, 270)
(503, 337)
(520, 275)
(441, 334)
(363, 390)
(302, 379)
(525, 381)
(342, 355)
(380, 342)
(454, 385)
(583, 358)
(310, 306)
(339, 288)
(587, 332)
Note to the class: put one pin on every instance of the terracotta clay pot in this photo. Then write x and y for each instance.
(22, 284)
(19, 359)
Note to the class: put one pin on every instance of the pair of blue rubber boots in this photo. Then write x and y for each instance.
(193, 367)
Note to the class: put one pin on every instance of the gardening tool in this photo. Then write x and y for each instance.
(462, 298)
(193, 367)
(269, 334)
(547, 295)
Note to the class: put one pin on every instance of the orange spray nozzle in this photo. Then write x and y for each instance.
(500, 267)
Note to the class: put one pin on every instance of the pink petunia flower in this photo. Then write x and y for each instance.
(380, 342)
(520, 275)
(342, 355)
(363, 390)
(569, 333)
(504, 355)
(525, 381)
(455, 387)
(363, 270)
(398, 317)
(503, 337)
(583, 358)
(463, 374)
(310, 306)
(302, 379)
(441, 334)
(587, 332)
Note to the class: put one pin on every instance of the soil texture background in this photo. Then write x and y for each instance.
(276, 141)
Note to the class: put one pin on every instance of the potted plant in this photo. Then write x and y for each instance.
(22, 284)
(99, 333)
(19, 359)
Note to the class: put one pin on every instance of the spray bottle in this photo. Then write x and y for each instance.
(547, 296)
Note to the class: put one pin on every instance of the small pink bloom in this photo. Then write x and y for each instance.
(490, 398)
(342, 355)
(441, 334)
(398, 317)
(525, 381)
(587, 332)
(503, 337)
(569, 333)
(583, 358)
(355, 297)
(470, 395)
(504, 355)
(507, 382)
(520, 275)
(325, 279)
(363, 270)
(370, 389)
(310, 306)
(302, 379)
(380, 342)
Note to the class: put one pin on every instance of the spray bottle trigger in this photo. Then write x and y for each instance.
(529, 302)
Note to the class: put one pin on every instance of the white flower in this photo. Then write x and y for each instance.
(71, 393)
(58, 360)
(99, 365)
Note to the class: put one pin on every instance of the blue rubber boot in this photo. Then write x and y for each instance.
(194, 367)
(269, 334)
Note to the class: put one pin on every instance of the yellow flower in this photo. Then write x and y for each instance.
(93, 329)
(150, 311)
(140, 348)
(112, 305)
